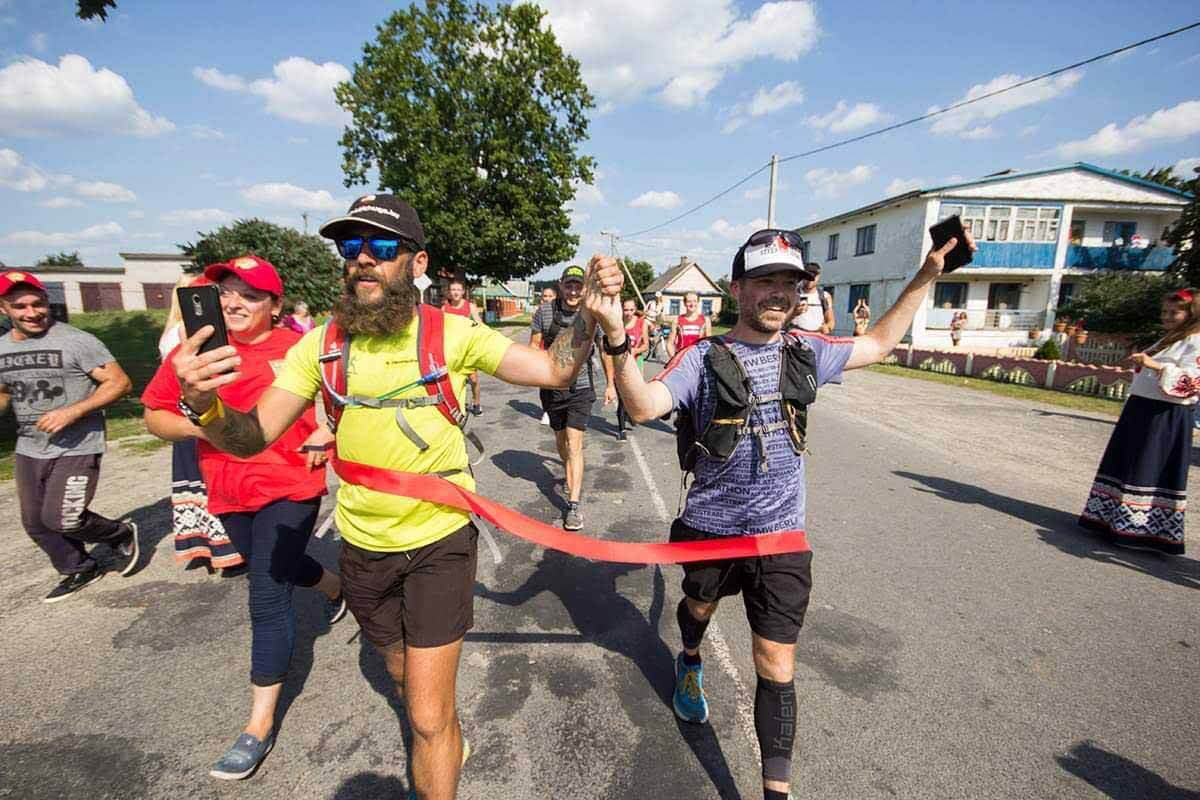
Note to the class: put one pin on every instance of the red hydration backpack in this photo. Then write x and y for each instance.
(431, 360)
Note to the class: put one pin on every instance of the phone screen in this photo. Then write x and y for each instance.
(200, 306)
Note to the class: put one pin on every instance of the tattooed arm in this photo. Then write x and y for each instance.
(554, 368)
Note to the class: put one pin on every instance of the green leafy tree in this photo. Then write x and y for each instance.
(310, 270)
(643, 276)
(729, 305)
(61, 259)
(87, 9)
(1184, 235)
(1119, 301)
(475, 116)
(1164, 175)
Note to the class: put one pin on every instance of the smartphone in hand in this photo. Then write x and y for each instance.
(201, 305)
(943, 232)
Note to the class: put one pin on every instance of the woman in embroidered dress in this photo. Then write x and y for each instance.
(1139, 496)
(200, 538)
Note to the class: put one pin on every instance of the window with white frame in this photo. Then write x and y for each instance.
(706, 307)
(1036, 225)
(805, 248)
(675, 307)
(999, 223)
(864, 240)
(833, 247)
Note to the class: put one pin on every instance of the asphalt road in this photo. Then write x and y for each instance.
(964, 638)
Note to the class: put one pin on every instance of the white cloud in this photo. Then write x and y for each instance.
(768, 101)
(654, 199)
(39, 99)
(902, 185)
(587, 194)
(1164, 125)
(95, 233)
(578, 218)
(964, 120)
(300, 91)
(39, 42)
(195, 216)
(978, 132)
(105, 192)
(625, 53)
(16, 173)
(206, 133)
(723, 228)
(1028, 130)
(734, 123)
(137, 214)
(61, 202)
(760, 192)
(844, 117)
(830, 183)
(286, 195)
(1185, 168)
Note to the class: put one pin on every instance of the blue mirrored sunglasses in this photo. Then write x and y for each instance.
(379, 248)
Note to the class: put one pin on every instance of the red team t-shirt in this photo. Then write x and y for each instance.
(279, 472)
(635, 332)
(690, 330)
(465, 311)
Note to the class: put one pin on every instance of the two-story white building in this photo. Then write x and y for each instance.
(1038, 232)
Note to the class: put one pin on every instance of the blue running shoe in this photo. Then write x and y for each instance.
(689, 702)
(241, 760)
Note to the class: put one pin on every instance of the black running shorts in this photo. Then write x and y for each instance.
(568, 409)
(423, 597)
(775, 589)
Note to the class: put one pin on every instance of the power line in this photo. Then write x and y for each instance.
(921, 118)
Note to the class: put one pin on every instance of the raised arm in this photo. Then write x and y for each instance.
(829, 321)
(883, 337)
(242, 434)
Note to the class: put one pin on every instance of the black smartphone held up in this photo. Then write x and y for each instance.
(946, 230)
(200, 306)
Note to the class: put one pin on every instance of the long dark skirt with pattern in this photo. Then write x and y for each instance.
(1139, 497)
(199, 536)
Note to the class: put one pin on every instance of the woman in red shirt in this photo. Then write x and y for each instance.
(268, 503)
(639, 343)
(689, 327)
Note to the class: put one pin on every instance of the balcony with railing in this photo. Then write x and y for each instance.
(1014, 255)
(991, 319)
(1158, 257)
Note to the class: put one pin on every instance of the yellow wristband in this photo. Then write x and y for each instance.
(215, 411)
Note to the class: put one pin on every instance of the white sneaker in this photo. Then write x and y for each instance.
(545, 418)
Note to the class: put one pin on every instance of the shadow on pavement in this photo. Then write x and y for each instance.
(154, 525)
(603, 616)
(1084, 417)
(1060, 529)
(529, 466)
(1117, 776)
(370, 786)
(524, 407)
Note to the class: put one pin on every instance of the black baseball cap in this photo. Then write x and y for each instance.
(769, 251)
(573, 273)
(384, 211)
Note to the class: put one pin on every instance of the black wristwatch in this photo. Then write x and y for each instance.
(192, 415)
(623, 347)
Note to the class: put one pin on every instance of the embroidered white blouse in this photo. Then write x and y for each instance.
(1179, 381)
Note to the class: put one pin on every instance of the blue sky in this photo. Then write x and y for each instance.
(174, 117)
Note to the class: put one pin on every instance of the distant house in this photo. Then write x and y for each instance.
(679, 280)
(1038, 233)
(145, 281)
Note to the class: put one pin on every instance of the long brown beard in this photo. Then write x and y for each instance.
(391, 314)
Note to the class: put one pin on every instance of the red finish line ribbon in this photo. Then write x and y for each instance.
(435, 489)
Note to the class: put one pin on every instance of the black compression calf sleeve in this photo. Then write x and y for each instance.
(691, 630)
(775, 724)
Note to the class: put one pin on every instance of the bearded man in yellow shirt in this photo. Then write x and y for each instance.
(407, 566)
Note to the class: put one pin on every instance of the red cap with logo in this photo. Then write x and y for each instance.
(12, 277)
(255, 271)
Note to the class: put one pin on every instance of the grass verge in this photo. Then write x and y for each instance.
(1096, 405)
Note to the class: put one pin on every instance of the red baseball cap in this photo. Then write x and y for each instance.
(255, 271)
(12, 277)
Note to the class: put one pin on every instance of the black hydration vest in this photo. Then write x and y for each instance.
(557, 325)
(735, 412)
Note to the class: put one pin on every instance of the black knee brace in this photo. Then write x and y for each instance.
(691, 630)
(775, 724)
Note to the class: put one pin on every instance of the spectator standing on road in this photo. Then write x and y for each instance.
(459, 304)
(752, 450)
(1139, 495)
(267, 503)
(818, 315)
(408, 566)
(689, 327)
(198, 535)
(569, 409)
(300, 320)
(58, 380)
(635, 332)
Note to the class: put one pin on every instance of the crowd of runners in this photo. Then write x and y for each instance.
(390, 376)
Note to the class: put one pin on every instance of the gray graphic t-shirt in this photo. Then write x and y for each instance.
(49, 372)
(736, 497)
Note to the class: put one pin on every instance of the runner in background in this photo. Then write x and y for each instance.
(688, 328)
(753, 481)
(635, 332)
(549, 295)
(58, 380)
(818, 315)
(459, 304)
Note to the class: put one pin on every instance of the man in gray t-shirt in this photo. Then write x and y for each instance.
(57, 380)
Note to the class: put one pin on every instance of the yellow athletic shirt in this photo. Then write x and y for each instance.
(378, 364)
